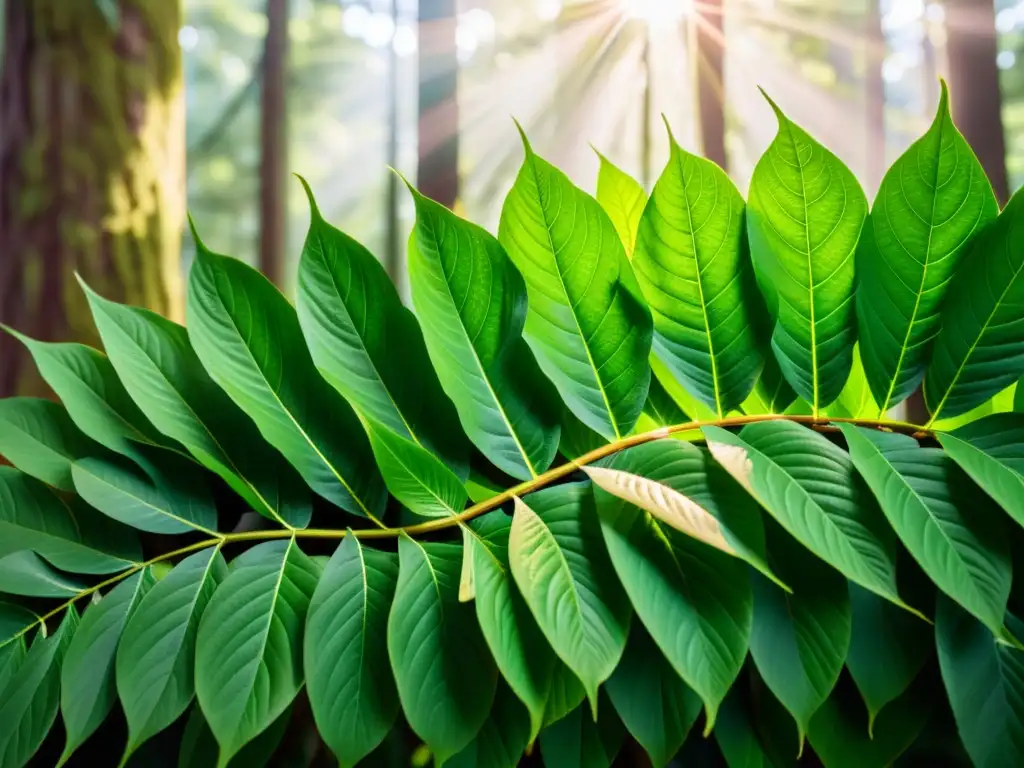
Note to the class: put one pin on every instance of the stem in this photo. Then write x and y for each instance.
(529, 486)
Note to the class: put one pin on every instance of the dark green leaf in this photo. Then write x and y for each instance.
(736, 736)
(199, 747)
(566, 694)
(25, 573)
(577, 741)
(38, 437)
(503, 737)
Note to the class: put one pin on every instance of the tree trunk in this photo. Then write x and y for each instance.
(274, 143)
(710, 81)
(874, 98)
(974, 85)
(91, 168)
(438, 166)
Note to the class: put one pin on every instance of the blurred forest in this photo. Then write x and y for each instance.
(116, 115)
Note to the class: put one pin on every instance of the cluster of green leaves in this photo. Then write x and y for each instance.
(684, 570)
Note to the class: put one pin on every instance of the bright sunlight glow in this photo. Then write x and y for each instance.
(657, 12)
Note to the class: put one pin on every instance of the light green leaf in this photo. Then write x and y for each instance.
(199, 747)
(481, 488)
(445, 675)
(561, 567)
(472, 304)
(523, 656)
(249, 644)
(772, 393)
(353, 321)
(155, 665)
(695, 601)
(800, 639)
(660, 410)
(29, 700)
(502, 739)
(657, 708)
(694, 268)
(991, 451)
(248, 338)
(121, 492)
(979, 350)
(855, 401)
(805, 212)
(623, 199)
(416, 477)
(87, 680)
(888, 647)
(810, 486)
(577, 741)
(984, 681)
(952, 531)
(588, 323)
(38, 437)
(348, 676)
(25, 573)
(163, 375)
(931, 203)
(69, 535)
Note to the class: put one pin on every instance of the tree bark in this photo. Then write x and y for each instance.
(710, 80)
(974, 93)
(91, 168)
(438, 157)
(274, 143)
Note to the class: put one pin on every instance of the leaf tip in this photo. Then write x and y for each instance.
(314, 209)
(775, 107)
(522, 135)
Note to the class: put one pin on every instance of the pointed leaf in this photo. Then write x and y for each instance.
(25, 573)
(348, 677)
(70, 536)
(623, 199)
(736, 737)
(87, 680)
(772, 393)
(952, 531)
(855, 401)
(979, 350)
(38, 437)
(155, 665)
(199, 747)
(804, 218)
(248, 338)
(657, 708)
(446, 678)
(561, 567)
(249, 644)
(472, 304)
(503, 737)
(577, 741)
(566, 694)
(588, 323)
(694, 268)
(810, 486)
(15, 621)
(162, 373)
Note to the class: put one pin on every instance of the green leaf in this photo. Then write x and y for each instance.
(979, 350)
(888, 647)
(577, 741)
(660, 410)
(249, 644)
(15, 621)
(562, 569)
(566, 694)
(119, 491)
(657, 708)
(695, 601)
(804, 218)
(87, 680)
(70, 536)
(12, 655)
(163, 375)
(248, 338)
(155, 665)
(588, 323)
(523, 656)
(952, 531)
(800, 639)
(991, 451)
(38, 437)
(348, 676)
(417, 478)
(772, 393)
(736, 736)
(809, 485)
(353, 321)
(445, 675)
(623, 199)
(855, 401)
(25, 573)
(29, 701)
(199, 747)
(984, 680)
(502, 739)
(931, 203)
(472, 304)
(693, 266)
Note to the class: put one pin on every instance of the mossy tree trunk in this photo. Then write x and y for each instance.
(91, 167)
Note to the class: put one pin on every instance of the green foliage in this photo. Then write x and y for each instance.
(776, 568)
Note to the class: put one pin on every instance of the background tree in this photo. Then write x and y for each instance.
(438, 166)
(274, 143)
(91, 166)
(710, 69)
